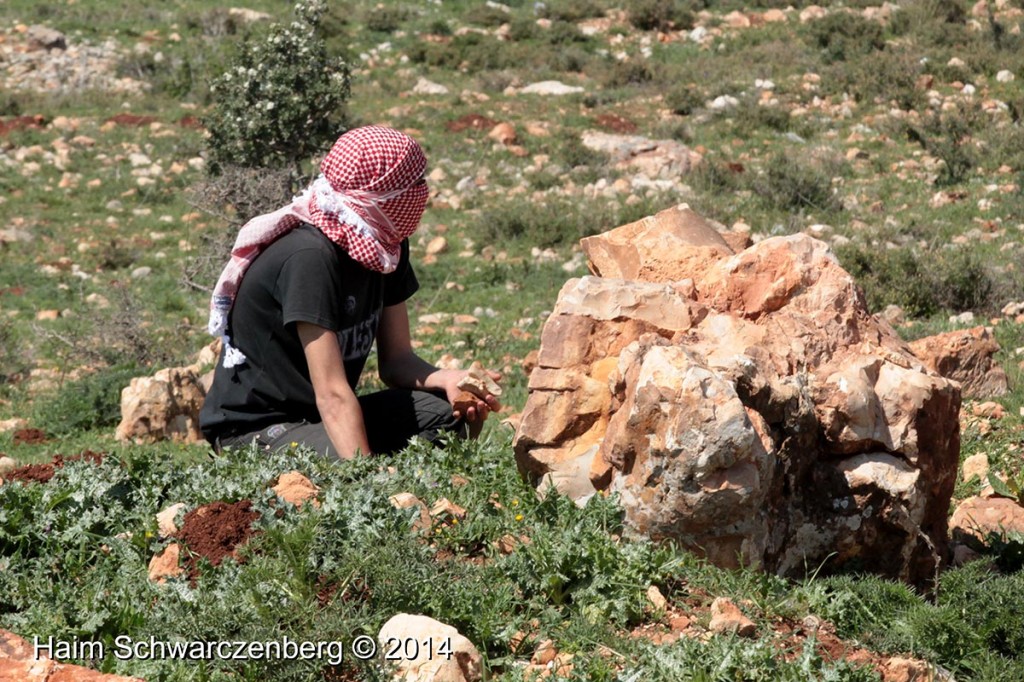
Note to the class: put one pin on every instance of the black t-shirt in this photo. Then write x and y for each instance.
(301, 277)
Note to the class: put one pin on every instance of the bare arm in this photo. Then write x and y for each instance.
(400, 367)
(337, 403)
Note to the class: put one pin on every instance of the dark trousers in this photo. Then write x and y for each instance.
(392, 417)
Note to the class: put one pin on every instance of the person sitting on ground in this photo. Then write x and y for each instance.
(308, 290)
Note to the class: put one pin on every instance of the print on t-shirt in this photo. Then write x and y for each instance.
(357, 341)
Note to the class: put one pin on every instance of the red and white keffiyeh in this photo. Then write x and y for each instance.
(369, 197)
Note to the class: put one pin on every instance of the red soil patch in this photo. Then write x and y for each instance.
(215, 531)
(615, 123)
(131, 120)
(21, 123)
(30, 437)
(474, 121)
(190, 122)
(43, 472)
(13, 291)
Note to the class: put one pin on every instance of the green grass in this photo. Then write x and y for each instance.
(778, 173)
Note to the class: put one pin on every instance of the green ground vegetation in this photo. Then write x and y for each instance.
(860, 128)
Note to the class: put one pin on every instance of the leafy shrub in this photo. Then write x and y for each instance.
(486, 15)
(281, 99)
(920, 284)
(843, 36)
(684, 99)
(92, 402)
(888, 75)
(574, 154)
(794, 183)
(571, 10)
(629, 72)
(947, 135)
(565, 33)
(385, 18)
(660, 15)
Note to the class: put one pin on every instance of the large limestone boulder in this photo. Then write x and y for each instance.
(965, 355)
(745, 405)
(166, 406)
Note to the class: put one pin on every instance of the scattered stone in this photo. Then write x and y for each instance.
(410, 501)
(478, 382)
(550, 88)
(471, 121)
(19, 662)
(544, 653)
(14, 235)
(296, 489)
(166, 520)
(503, 134)
(666, 159)
(1005, 76)
(724, 102)
(893, 314)
(727, 618)
(425, 87)
(437, 246)
(657, 599)
(47, 315)
(163, 406)
(812, 13)
(141, 272)
(45, 38)
(963, 318)
(988, 410)
(445, 507)
(899, 669)
(976, 466)
(463, 665)
(966, 356)
(12, 424)
(165, 564)
(978, 517)
(7, 465)
(248, 16)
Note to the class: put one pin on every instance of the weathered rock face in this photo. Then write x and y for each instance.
(746, 405)
(163, 406)
(966, 356)
(166, 406)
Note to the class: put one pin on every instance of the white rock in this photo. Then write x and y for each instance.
(417, 663)
(550, 88)
(962, 318)
(1005, 76)
(723, 102)
(425, 87)
(140, 272)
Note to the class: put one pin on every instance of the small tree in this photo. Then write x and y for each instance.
(281, 100)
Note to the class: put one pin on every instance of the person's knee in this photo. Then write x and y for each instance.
(435, 415)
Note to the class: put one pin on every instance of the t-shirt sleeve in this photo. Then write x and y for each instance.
(309, 288)
(401, 284)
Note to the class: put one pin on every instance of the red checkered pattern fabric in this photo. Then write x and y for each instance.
(369, 197)
(377, 173)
